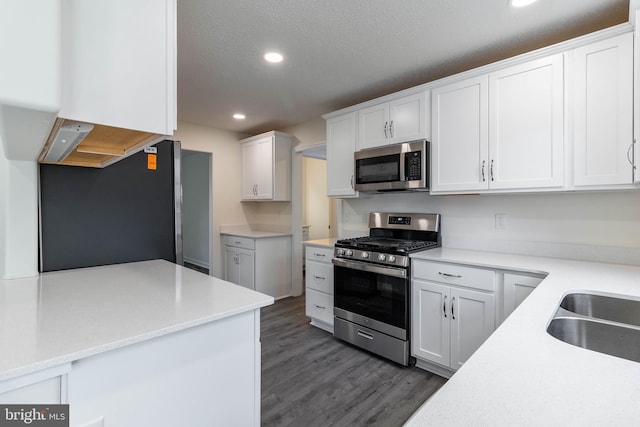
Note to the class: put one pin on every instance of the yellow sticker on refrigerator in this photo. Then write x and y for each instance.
(151, 161)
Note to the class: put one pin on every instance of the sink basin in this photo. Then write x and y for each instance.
(598, 336)
(619, 310)
(606, 324)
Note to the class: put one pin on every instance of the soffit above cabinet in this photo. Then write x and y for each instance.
(102, 146)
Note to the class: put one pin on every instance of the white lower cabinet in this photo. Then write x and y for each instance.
(319, 286)
(263, 264)
(450, 320)
(517, 287)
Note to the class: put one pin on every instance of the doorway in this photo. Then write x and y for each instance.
(196, 210)
(317, 208)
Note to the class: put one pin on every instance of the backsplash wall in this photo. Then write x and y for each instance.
(594, 226)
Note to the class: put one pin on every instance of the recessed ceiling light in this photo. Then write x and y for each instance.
(520, 3)
(239, 116)
(274, 57)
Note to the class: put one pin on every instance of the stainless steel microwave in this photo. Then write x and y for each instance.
(398, 167)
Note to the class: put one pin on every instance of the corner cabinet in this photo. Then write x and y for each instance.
(453, 313)
(341, 144)
(500, 131)
(400, 120)
(260, 264)
(266, 167)
(517, 288)
(119, 63)
(319, 286)
(602, 78)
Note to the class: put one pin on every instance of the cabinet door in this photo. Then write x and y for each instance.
(231, 265)
(634, 153)
(603, 111)
(516, 288)
(526, 125)
(430, 327)
(460, 137)
(246, 269)
(263, 164)
(341, 144)
(407, 118)
(472, 321)
(118, 63)
(249, 171)
(373, 126)
(257, 169)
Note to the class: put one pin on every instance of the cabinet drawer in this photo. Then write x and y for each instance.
(470, 277)
(319, 306)
(319, 276)
(240, 242)
(316, 253)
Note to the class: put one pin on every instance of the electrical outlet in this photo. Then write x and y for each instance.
(501, 221)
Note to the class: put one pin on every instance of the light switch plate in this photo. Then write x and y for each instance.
(501, 221)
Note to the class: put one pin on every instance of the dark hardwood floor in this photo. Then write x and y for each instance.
(311, 379)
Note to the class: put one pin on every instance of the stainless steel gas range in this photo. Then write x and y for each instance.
(372, 282)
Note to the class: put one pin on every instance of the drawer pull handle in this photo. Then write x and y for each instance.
(320, 307)
(319, 277)
(365, 335)
(237, 243)
(456, 276)
(316, 254)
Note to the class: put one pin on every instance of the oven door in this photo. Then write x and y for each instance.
(372, 295)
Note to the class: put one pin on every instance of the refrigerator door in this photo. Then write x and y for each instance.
(126, 212)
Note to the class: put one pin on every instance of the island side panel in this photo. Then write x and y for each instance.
(205, 375)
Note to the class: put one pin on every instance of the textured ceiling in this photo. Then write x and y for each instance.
(342, 52)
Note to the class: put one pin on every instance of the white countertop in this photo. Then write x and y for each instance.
(523, 376)
(330, 242)
(60, 317)
(247, 231)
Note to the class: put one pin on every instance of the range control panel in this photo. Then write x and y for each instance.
(399, 220)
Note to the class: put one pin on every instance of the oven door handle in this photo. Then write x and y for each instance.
(371, 268)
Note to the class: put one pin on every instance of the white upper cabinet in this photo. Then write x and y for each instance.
(602, 79)
(400, 120)
(119, 63)
(341, 144)
(460, 137)
(526, 125)
(499, 131)
(266, 167)
(634, 153)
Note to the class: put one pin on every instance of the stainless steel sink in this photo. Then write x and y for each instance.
(603, 307)
(598, 336)
(606, 324)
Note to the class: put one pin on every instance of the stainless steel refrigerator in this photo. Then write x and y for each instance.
(128, 211)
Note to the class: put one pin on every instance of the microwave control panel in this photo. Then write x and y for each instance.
(413, 166)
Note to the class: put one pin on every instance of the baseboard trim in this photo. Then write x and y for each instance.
(196, 262)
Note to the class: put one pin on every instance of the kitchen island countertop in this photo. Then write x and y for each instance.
(60, 317)
(522, 375)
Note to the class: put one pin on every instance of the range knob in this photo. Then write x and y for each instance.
(391, 258)
(340, 251)
(349, 252)
(381, 257)
(365, 255)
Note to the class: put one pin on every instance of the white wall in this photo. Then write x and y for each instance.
(597, 226)
(18, 217)
(196, 222)
(225, 180)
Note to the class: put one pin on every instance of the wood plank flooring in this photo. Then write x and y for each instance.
(311, 379)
